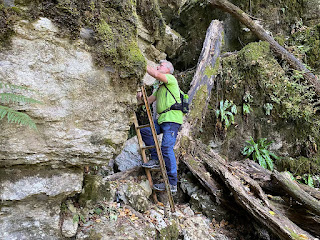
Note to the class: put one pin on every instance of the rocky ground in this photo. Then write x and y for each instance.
(121, 219)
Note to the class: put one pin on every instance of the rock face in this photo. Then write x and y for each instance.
(83, 120)
(76, 124)
(31, 198)
(253, 77)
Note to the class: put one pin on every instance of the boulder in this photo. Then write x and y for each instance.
(130, 156)
(136, 195)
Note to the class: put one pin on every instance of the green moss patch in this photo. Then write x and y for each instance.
(300, 165)
(171, 232)
(307, 41)
(7, 17)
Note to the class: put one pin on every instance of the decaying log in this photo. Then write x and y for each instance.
(280, 198)
(194, 154)
(263, 35)
(253, 201)
(297, 193)
(269, 184)
(298, 214)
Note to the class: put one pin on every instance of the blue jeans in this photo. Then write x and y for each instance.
(170, 132)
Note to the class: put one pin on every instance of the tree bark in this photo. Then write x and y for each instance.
(281, 198)
(263, 35)
(297, 193)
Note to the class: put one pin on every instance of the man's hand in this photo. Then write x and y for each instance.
(139, 98)
(157, 74)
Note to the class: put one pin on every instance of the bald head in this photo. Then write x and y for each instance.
(168, 65)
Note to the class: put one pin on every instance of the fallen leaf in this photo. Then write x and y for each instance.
(122, 213)
(303, 236)
(272, 213)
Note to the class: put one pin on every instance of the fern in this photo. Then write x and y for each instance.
(12, 115)
(14, 87)
(227, 117)
(259, 152)
(16, 117)
(10, 97)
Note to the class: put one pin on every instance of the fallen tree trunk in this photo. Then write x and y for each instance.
(288, 203)
(265, 180)
(297, 193)
(195, 155)
(263, 35)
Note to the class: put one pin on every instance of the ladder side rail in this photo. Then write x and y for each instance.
(144, 157)
(161, 161)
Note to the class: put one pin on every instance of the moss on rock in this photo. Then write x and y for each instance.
(171, 232)
(308, 42)
(153, 19)
(300, 165)
(280, 14)
(7, 17)
(294, 123)
(95, 190)
(113, 23)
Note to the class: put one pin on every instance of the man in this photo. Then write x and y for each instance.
(168, 123)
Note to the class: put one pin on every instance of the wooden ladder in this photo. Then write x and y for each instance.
(158, 149)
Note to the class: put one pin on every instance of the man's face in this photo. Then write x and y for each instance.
(163, 68)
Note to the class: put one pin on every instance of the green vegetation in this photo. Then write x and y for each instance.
(259, 152)
(306, 42)
(246, 108)
(226, 117)
(211, 71)
(12, 115)
(268, 107)
(292, 98)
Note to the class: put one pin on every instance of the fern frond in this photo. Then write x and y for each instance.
(16, 117)
(4, 85)
(14, 98)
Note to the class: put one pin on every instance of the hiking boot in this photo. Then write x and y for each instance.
(154, 164)
(162, 187)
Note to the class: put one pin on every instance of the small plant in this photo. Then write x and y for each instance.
(268, 107)
(8, 96)
(246, 108)
(304, 179)
(226, 117)
(78, 217)
(247, 97)
(259, 152)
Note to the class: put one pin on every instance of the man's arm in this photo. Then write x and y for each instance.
(150, 99)
(156, 74)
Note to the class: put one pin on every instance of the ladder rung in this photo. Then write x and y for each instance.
(143, 126)
(148, 147)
